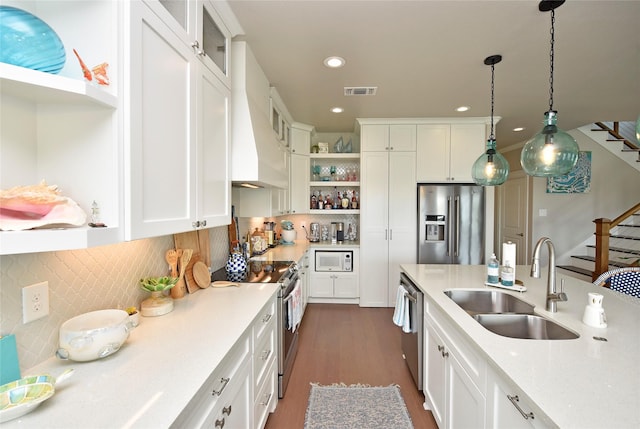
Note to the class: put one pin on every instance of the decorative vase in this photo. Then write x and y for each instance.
(156, 305)
(27, 41)
(236, 263)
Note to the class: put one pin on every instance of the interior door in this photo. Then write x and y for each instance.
(513, 202)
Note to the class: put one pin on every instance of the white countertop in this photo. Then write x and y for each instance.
(152, 378)
(580, 383)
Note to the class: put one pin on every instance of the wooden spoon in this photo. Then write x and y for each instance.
(180, 289)
(171, 257)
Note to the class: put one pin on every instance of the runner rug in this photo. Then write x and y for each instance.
(356, 406)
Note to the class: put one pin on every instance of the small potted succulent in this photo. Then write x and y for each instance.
(159, 303)
(134, 316)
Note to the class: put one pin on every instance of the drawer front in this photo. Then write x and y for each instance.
(266, 397)
(234, 408)
(221, 380)
(264, 354)
(266, 318)
(470, 360)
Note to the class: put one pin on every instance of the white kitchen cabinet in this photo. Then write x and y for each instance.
(385, 137)
(234, 409)
(299, 184)
(387, 214)
(509, 407)
(177, 171)
(335, 287)
(200, 27)
(228, 386)
(58, 128)
(305, 278)
(265, 373)
(455, 376)
(299, 168)
(446, 152)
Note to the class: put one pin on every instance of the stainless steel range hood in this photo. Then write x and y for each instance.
(257, 157)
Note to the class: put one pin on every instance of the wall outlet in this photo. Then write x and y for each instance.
(35, 302)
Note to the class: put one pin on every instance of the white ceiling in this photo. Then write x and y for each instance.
(427, 57)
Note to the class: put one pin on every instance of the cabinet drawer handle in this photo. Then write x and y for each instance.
(514, 400)
(267, 399)
(266, 318)
(440, 348)
(226, 411)
(265, 354)
(224, 382)
(220, 423)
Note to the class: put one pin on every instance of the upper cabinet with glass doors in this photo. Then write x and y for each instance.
(200, 26)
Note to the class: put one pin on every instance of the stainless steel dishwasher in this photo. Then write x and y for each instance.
(412, 341)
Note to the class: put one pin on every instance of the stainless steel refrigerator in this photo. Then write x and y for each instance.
(451, 224)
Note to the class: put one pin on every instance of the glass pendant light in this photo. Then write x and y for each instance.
(551, 152)
(491, 168)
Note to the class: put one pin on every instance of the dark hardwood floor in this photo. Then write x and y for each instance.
(347, 344)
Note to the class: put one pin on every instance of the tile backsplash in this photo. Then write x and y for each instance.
(81, 281)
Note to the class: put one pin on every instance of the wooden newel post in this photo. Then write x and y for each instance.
(603, 227)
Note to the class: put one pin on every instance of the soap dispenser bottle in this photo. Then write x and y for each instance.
(493, 270)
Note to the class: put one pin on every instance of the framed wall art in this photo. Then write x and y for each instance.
(577, 181)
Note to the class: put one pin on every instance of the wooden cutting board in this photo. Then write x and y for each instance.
(192, 286)
(204, 246)
(198, 240)
(233, 235)
(187, 240)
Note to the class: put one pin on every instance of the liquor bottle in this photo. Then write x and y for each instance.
(354, 201)
(345, 201)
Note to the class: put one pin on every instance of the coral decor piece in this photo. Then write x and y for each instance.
(34, 206)
(98, 72)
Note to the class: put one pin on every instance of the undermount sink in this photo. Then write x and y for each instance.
(507, 315)
(488, 301)
(524, 326)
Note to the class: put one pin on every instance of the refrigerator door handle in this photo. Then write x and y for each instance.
(449, 232)
(457, 232)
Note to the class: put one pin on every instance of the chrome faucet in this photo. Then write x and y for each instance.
(552, 295)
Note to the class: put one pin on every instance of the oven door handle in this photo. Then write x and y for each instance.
(288, 298)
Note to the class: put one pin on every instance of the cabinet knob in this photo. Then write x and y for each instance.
(195, 44)
(203, 223)
(219, 423)
(226, 411)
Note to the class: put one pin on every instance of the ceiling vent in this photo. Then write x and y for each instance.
(360, 90)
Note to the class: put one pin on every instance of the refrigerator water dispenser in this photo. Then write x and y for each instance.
(434, 227)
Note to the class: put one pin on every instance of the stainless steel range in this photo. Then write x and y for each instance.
(286, 274)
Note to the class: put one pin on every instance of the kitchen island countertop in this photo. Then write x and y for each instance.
(152, 378)
(579, 383)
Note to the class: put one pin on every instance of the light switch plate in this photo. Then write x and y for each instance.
(35, 302)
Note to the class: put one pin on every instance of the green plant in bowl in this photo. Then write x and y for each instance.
(158, 284)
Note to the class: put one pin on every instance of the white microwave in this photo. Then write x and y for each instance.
(334, 260)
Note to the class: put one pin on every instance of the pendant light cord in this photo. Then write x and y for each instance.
(491, 136)
(551, 58)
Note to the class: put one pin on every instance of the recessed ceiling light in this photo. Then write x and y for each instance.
(518, 129)
(334, 62)
(462, 108)
(337, 109)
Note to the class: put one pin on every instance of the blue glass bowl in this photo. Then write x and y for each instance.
(27, 41)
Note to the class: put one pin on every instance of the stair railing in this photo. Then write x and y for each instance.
(603, 232)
